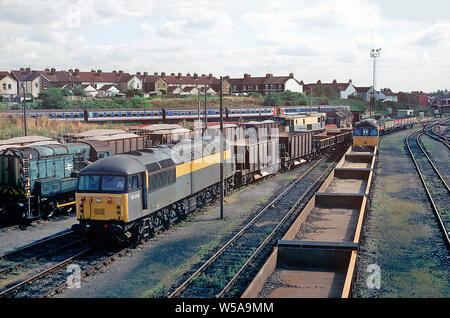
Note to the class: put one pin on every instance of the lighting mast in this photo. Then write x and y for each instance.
(374, 54)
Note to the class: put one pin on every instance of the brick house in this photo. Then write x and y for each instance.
(343, 89)
(264, 85)
(8, 86)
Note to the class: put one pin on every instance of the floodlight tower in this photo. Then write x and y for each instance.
(374, 54)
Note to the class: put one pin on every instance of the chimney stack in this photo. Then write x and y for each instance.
(138, 73)
(179, 76)
(334, 82)
(145, 73)
(99, 72)
(188, 74)
(210, 75)
(172, 74)
(120, 72)
(246, 75)
(76, 72)
(53, 70)
(155, 73)
(163, 74)
(268, 75)
(291, 75)
(195, 75)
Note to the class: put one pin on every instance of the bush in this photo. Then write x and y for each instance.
(53, 98)
(292, 98)
(79, 91)
(272, 99)
(254, 95)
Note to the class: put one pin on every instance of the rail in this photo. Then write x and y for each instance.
(420, 170)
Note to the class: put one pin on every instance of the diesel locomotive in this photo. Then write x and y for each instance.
(130, 196)
(35, 179)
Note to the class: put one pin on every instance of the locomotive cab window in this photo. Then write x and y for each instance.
(89, 183)
(134, 182)
(113, 183)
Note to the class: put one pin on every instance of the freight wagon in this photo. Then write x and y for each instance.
(295, 148)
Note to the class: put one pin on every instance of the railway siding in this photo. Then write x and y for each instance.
(317, 255)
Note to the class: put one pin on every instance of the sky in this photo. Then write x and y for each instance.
(316, 40)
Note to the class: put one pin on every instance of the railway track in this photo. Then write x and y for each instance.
(228, 271)
(33, 263)
(430, 133)
(437, 189)
(32, 253)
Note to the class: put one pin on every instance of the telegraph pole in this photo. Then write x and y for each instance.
(24, 110)
(221, 150)
(206, 115)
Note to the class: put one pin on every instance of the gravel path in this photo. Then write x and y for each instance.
(152, 268)
(401, 235)
(13, 238)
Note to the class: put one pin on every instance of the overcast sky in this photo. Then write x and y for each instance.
(325, 39)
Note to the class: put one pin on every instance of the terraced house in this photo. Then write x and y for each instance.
(29, 82)
(8, 86)
(343, 89)
(264, 85)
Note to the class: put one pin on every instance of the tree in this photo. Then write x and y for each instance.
(79, 91)
(293, 98)
(272, 99)
(52, 98)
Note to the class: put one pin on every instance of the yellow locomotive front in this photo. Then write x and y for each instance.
(110, 194)
(366, 133)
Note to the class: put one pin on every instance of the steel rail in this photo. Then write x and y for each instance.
(274, 231)
(241, 232)
(36, 277)
(435, 209)
(36, 243)
(436, 136)
(418, 140)
(42, 255)
(87, 272)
